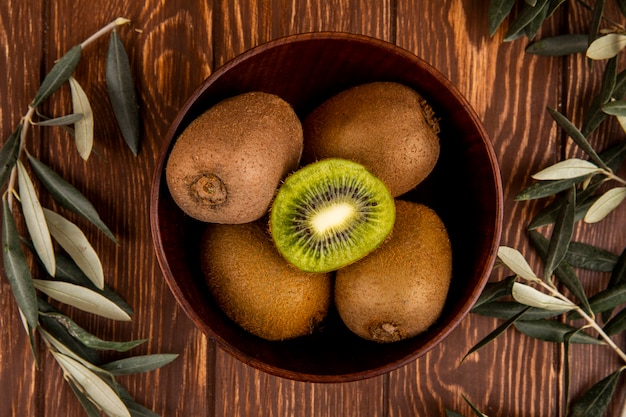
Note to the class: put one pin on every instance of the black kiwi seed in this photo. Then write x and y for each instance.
(330, 214)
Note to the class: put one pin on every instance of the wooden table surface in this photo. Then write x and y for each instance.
(173, 46)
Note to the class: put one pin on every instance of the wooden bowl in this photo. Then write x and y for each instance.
(465, 189)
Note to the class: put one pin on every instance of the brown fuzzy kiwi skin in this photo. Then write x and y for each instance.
(226, 165)
(257, 288)
(399, 290)
(386, 126)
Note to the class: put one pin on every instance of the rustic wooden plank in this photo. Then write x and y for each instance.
(170, 51)
(239, 26)
(242, 25)
(509, 91)
(18, 374)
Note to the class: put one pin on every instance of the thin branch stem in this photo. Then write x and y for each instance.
(590, 319)
(614, 177)
(27, 119)
(120, 21)
(26, 122)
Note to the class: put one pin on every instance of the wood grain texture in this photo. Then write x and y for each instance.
(173, 46)
(17, 367)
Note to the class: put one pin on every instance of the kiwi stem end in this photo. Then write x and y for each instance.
(208, 189)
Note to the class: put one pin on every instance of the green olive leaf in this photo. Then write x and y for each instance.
(68, 196)
(83, 128)
(91, 340)
(567, 169)
(89, 407)
(61, 121)
(59, 74)
(594, 402)
(93, 386)
(474, 408)
(35, 220)
(137, 364)
(495, 333)
(67, 270)
(59, 333)
(495, 290)
(68, 351)
(620, 86)
(75, 243)
(527, 295)
(82, 298)
(607, 46)
(561, 234)
(604, 205)
(564, 272)
(555, 331)
(615, 108)
(31, 337)
(596, 19)
(523, 19)
(515, 261)
(16, 268)
(577, 136)
(121, 89)
(595, 115)
(615, 156)
(605, 300)
(585, 256)
(548, 214)
(616, 324)
(532, 28)
(612, 157)
(498, 11)
(547, 188)
(618, 275)
(560, 45)
(138, 410)
(504, 310)
(554, 5)
(567, 367)
(9, 154)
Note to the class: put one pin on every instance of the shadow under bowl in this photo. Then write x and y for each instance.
(465, 189)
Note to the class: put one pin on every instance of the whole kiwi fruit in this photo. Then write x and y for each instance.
(256, 287)
(329, 214)
(226, 165)
(386, 126)
(399, 290)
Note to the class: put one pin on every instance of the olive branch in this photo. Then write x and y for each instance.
(74, 271)
(579, 190)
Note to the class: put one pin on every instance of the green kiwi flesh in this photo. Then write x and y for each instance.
(329, 214)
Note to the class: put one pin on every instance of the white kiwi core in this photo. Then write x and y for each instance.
(332, 218)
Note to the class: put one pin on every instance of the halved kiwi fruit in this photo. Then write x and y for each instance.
(330, 214)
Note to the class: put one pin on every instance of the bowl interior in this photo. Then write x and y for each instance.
(464, 189)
